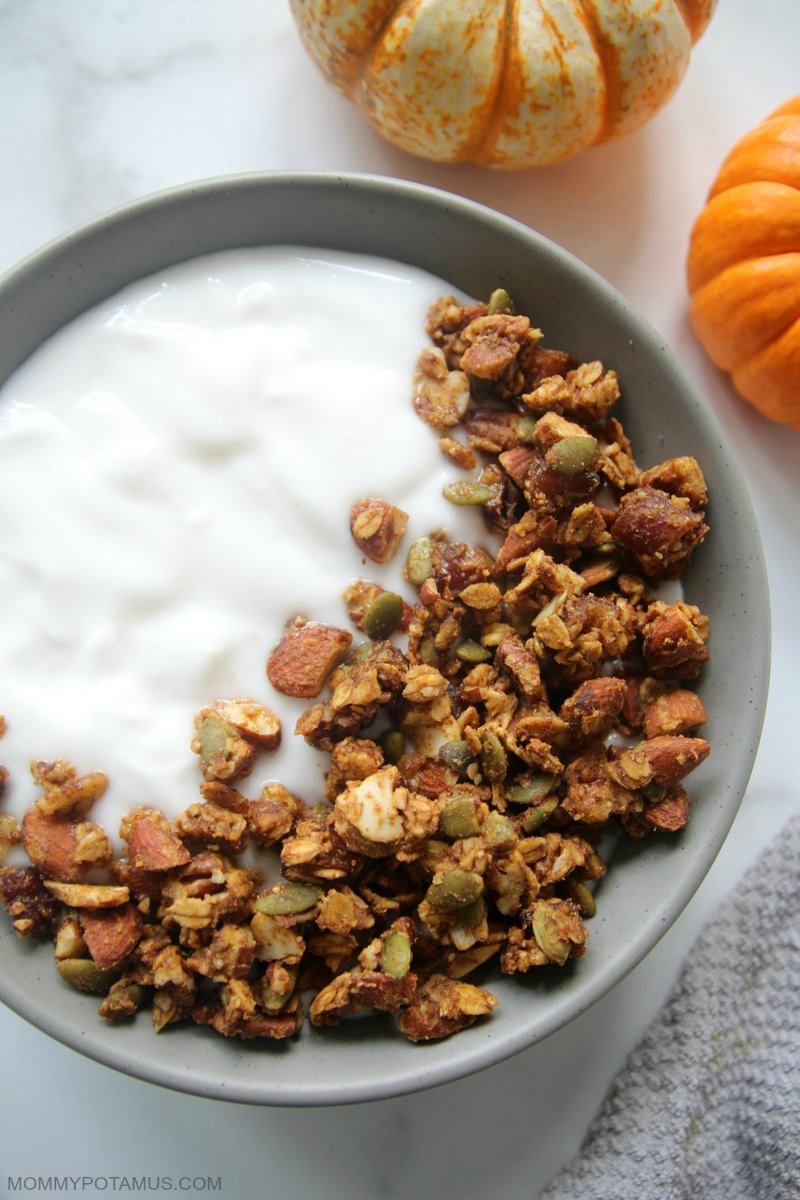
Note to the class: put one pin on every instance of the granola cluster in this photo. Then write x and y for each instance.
(533, 700)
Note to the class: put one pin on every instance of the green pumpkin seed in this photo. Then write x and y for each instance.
(287, 898)
(500, 302)
(435, 851)
(467, 491)
(81, 973)
(427, 652)
(583, 897)
(383, 616)
(494, 760)
(537, 816)
(418, 561)
(396, 954)
(526, 430)
(472, 652)
(358, 652)
(458, 819)
(547, 933)
(455, 755)
(455, 890)
(134, 992)
(572, 454)
(274, 1001)
(214, 735)
(393, 745)
(534, 789)
(471, 914)
(499, 832)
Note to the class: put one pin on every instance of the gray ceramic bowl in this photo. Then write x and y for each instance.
(475, 249)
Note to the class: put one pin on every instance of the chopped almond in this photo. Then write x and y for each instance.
(111, 935)
(305, 657)
(152, 846)
(51, 843)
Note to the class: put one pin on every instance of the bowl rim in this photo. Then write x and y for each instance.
(39, 264)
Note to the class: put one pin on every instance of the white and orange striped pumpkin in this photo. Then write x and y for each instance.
(506, 83)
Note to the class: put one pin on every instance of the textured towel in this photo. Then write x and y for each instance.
(708, 1106)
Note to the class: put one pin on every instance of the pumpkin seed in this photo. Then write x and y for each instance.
(435, 852)
(472, 652)
(572, 454)
(582, 896)
(396, 954)
(418, 561)
(492, 635)
(548, 936)
(526, 430)
(469, 916)
(383, 616)
(501, 302)
(537, 816)
(124, 992)
(274, 1001)
(358, 652)
(534, 789)
(287, 898)
(494, 760)
(427, 651)
(393, 745)
(458, 819)
(467, 491)
(455, 890)
(214, 736)
(499, 832)
(456, 755)
(131, 991)
(82, 974)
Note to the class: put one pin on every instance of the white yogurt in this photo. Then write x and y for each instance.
(177, 468)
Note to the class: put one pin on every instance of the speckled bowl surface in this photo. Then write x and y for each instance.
(475, 249)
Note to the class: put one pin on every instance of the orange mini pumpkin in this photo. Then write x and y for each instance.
(744, 266)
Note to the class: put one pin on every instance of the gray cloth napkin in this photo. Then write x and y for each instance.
(707, 1107)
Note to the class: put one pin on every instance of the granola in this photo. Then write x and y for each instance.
(534, 700)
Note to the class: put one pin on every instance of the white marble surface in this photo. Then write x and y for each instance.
(102, 101)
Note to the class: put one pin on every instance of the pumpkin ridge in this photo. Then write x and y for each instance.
(358, 66)
(769, 152)
(609, 64)
(722, 315)
(770, 378)
(341, 63)
(480, 147)
(684, 12)
(768, 216)
(695, 17)
(764, 347)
